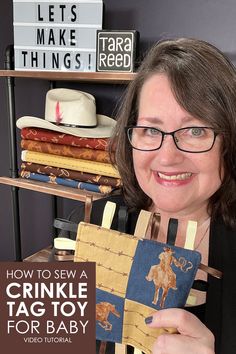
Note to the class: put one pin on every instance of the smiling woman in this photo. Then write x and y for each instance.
(175, 150)
(177, 87)
(170, 175)
(176, 153)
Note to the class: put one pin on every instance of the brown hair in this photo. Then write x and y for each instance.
(203, 81)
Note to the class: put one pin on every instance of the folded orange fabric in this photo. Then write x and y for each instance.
(66, 150)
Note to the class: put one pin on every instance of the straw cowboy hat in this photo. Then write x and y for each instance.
(71, 112)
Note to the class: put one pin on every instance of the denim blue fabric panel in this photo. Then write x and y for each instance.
(108, 324)
(167, 270)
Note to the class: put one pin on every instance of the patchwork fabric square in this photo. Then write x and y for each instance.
(134, 278)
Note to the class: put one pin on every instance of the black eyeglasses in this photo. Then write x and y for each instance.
(188, 139)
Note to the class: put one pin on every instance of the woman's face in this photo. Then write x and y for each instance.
(177, 182)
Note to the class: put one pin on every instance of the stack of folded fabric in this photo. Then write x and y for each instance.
(82, 163)
(69, 147)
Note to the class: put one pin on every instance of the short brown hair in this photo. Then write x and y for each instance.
(203, 81)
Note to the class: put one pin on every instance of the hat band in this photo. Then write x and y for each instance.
(75, 125)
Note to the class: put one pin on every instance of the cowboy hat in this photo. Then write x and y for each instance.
(71, 112)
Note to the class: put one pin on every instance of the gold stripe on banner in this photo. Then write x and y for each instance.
(190, 235)
(189, 244)
(108, 214)
(142, 223)
(120, 348)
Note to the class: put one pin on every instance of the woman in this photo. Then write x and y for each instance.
(178, 158)
(176, 153)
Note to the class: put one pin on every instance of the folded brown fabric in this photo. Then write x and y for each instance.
(66, 150)
(66, 173)
(66, 139)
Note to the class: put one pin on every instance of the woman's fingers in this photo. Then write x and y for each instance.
(185, 322)
(180, 344)
(193, 336)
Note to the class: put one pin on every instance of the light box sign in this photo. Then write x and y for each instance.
(56, 35)
(116, 50)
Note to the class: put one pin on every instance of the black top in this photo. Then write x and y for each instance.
(219, 312)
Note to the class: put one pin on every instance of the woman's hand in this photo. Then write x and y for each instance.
(193, 336)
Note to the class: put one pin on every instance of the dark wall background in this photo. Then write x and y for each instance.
(211, 20)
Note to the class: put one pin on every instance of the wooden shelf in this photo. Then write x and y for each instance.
(40, 256)
(95, 77)
(52, 189)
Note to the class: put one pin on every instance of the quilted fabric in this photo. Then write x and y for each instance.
(134, 278)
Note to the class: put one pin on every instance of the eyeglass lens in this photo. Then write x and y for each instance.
(190, 139)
